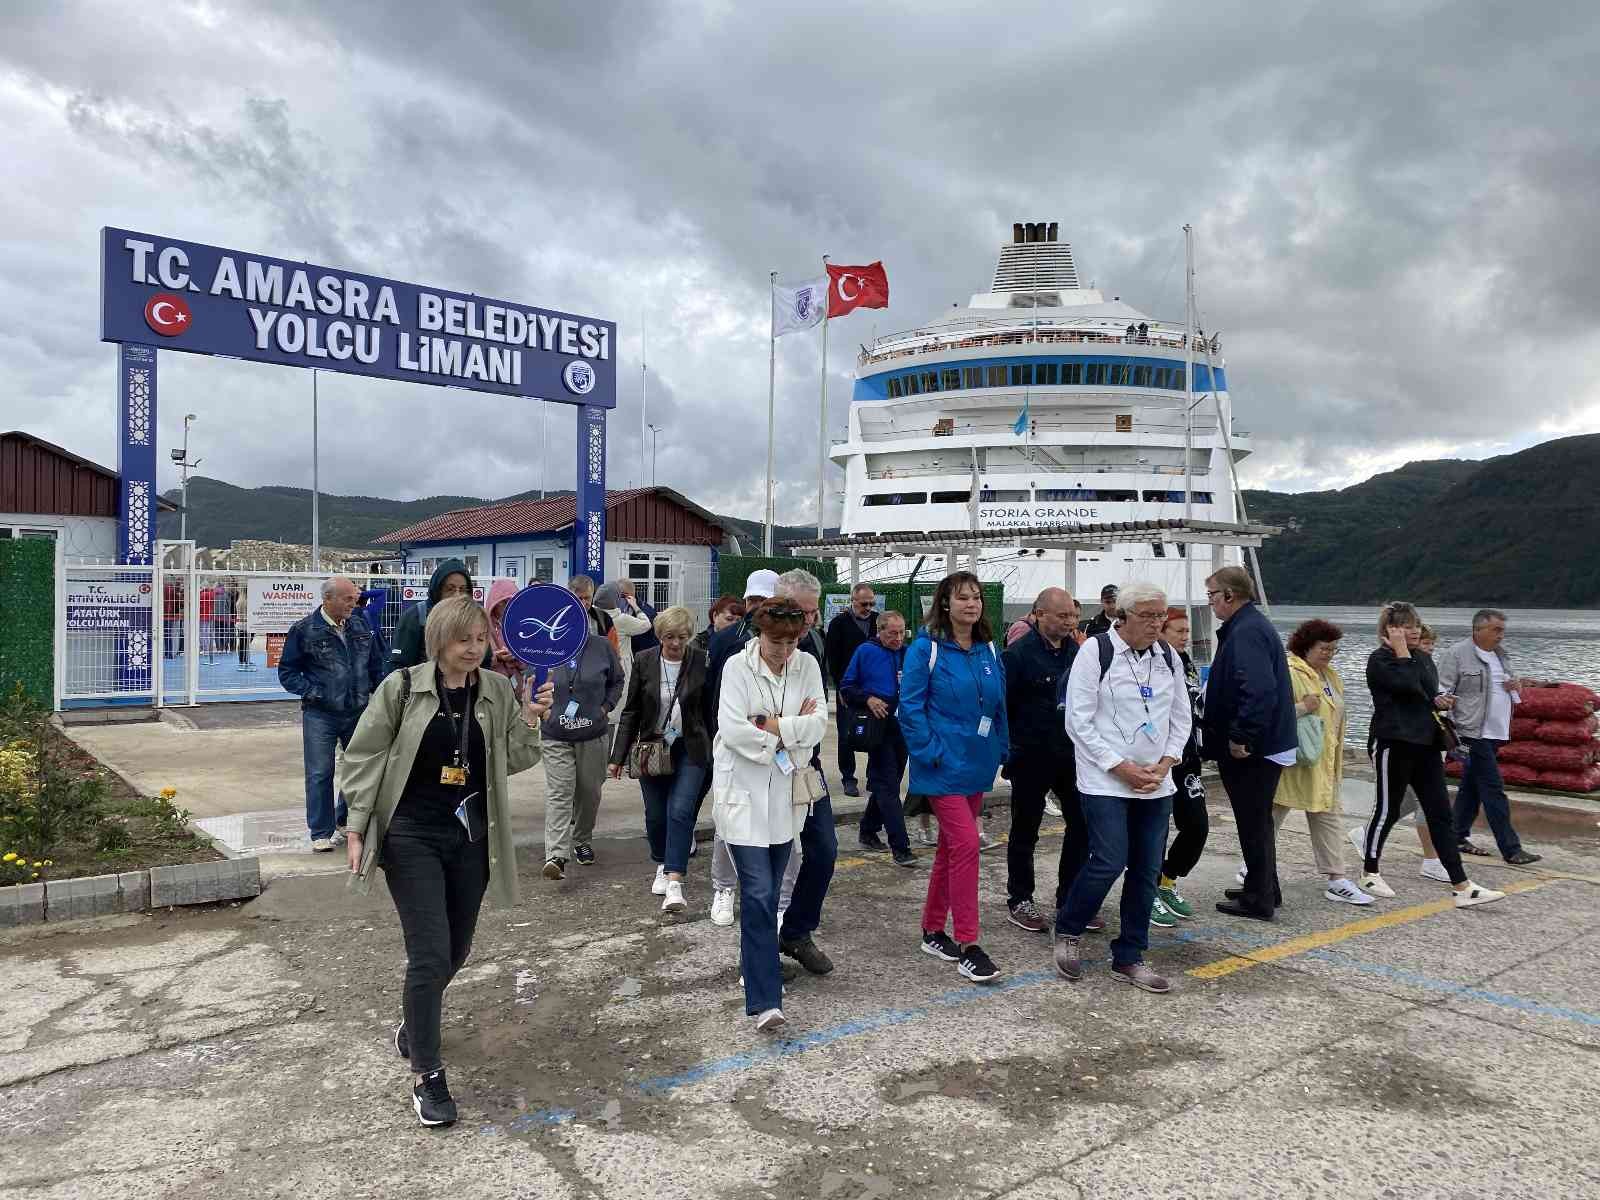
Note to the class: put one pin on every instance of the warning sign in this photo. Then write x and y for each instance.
(277, 603)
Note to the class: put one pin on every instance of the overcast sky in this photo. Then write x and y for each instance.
(1394, 207)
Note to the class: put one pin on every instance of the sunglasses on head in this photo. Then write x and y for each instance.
(785, 611)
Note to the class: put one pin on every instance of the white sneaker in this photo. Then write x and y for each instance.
(1473, 895)
(322, 845)
(927, 837)
(674, 893)
(1373, 882)
(1433, 869)
(659, 887)
(1238, 876)
(781, 911)
(771, 1021)
(1342, 891)
(1358, 838)
(722, 906)
(1052, 806)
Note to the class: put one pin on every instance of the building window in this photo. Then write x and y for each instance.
(544, 570)
(997, 377)
(472, 563)
(972, 377)
(43, 535)
(950, 379)
(654, 581)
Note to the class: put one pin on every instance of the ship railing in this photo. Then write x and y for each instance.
(934, 342)
(946, 427)
(1174, 470)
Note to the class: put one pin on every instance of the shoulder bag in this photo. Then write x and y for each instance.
(651, 757)
(1310, 735)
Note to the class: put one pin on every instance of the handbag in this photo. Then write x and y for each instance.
(863, 730)
(808, 787)
(1450, 739)
(1310, 735)
(651, 757)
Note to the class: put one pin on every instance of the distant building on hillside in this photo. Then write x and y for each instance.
(50, 493)
(664, 542)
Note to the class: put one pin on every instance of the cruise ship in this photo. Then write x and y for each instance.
(1042, 403)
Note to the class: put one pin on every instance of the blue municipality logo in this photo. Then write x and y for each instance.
(545, 627)
(579, 377)
(805, 303)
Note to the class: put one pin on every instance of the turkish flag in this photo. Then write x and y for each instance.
(850, 288)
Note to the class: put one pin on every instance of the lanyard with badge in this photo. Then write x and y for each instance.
(1146, 690)
(781, 759)
(457, 772)
(985, 722)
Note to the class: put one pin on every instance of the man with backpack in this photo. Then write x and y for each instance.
(1128, 716)
(1037, 666)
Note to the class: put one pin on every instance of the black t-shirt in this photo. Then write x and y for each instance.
(427, 799)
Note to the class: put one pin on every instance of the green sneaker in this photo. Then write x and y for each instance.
(1176, 904)
(1161, 916)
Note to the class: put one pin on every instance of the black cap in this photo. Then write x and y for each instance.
(1109, 592)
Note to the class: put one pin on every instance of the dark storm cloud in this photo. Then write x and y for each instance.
(1391, 204)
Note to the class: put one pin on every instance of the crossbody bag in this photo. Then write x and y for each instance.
(651, 757)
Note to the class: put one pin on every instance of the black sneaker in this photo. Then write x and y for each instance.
(977, 966)
(432, 1100)
(850, 788)
(402, 1043)
(941, 946)
(1522, 858)
(873, 843)
(555, 868)
(904, 858)
(805, 953)
(584, 853)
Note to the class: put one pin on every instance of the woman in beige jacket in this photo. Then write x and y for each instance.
(425, 780)
(1313, 787)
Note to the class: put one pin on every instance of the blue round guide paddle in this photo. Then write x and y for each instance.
(545, 626)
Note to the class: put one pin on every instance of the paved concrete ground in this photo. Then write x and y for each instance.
(599, 1050)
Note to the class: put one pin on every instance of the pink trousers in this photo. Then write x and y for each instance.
(953, 882)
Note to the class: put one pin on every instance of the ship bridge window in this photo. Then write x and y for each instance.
(1029, 374)
(883, 498)
(952, 497)
(997, 377)
(1022, 375)
(1047, 374)
(896, 388)
(930, 381)
(1141, 376)
(950, 379)
(990, 496)
(1119, 375)
(1094, 373)
(1169, 496)
(972, 377)
(1071, 373)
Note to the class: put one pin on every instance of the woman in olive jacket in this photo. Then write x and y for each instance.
(425, 780)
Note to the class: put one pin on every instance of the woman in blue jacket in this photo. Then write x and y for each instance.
(953, 715)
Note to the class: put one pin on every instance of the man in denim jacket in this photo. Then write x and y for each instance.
(332, 662)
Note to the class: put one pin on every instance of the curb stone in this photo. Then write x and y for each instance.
(129, 892)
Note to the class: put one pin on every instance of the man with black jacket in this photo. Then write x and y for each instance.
(855, 626)
(1107, 616)
(1042, 758)
(1249, 729)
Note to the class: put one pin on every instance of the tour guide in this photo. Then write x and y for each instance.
(425, 775)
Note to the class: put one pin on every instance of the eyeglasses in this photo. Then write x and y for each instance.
(1148, 616)
(1212, 595)
(785, 612)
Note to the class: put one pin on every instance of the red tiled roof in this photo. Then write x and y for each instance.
(513, 518)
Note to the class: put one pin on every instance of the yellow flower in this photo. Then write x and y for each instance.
(37, 864)
(49, 862)
(168, 793)
(10, 856)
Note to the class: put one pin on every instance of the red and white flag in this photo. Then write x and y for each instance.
(850, 288)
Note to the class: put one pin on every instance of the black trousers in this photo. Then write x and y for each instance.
(847, 756)
(1421, 768)
(1251, 784)
(436, 879)
(1032, 777)
(1190, 819)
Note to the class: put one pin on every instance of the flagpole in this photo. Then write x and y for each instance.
(822, 407)
(772, 384)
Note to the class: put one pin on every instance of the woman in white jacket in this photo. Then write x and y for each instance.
(771, 713)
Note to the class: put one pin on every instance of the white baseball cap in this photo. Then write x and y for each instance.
(761, 584)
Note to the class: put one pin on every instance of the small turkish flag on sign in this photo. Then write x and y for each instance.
(850, 288)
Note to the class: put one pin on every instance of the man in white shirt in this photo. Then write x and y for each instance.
(1478, 674)
(1127, 712)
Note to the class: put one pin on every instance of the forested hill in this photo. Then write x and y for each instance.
(1521, 529)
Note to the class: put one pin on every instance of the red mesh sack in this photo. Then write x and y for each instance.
(1547, 756)
(1516, 773)
(1453, 768)
(1566, 732)
(1564, 702)
(1513, 752)
(1587, 780)
(1526, 729)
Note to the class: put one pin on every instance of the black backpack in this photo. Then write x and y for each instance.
(1102, 642)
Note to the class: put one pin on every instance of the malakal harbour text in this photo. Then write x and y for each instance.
(178, 295)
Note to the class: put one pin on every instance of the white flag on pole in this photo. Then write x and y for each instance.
(799, 307)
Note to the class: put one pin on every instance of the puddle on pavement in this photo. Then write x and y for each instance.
(1033, 1088)
(1397, 1080)
(628, 988)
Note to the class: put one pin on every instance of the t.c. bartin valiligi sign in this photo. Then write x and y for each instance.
(163, 294)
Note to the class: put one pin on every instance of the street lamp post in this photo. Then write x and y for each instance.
(655, 432)
(181, 457)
